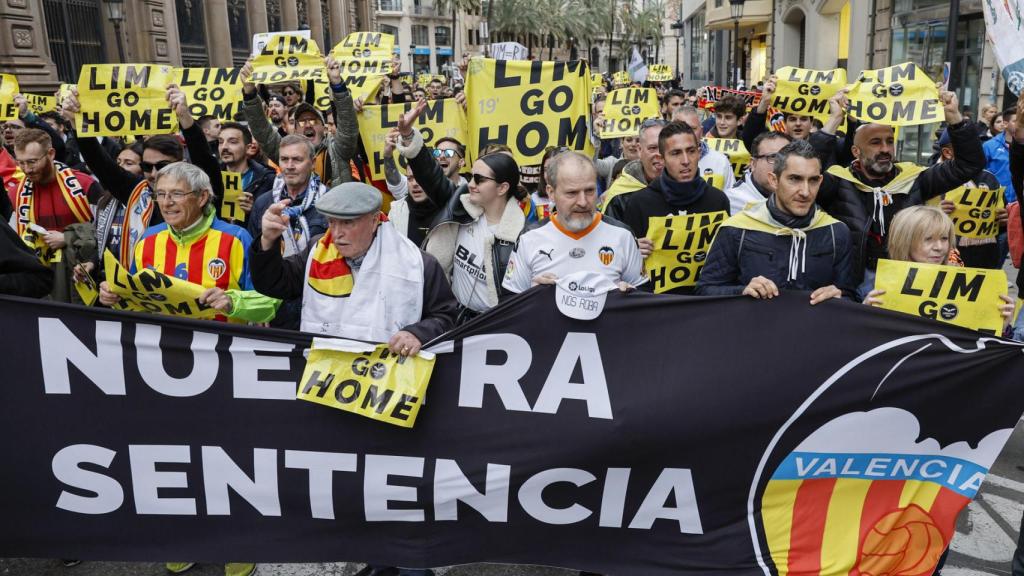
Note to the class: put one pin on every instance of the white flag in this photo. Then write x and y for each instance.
(637, 67)
(1004, 25)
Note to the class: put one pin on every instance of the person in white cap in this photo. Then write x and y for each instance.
(362, 279)
(577, 238)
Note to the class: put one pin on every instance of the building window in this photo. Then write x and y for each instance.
(73, 29)
(389, 29)
(389, 5)
(442, 36)
(698, 48)
(420, 35)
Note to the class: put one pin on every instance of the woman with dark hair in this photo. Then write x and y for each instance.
(475, 226)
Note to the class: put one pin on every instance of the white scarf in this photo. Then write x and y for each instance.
(297, 241)
(387, 294)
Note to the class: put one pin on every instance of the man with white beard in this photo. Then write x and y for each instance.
(577, 238)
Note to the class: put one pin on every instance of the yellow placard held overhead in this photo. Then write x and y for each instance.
(807, 92)
(621, 78)
(63, 92)
(286, 58)
(8, 90)
(681, 245)
(527, 106)
(366, 380)
(151, 291)
(626, 109)
(975, 213)
(125, 100)
(37, 103)
(362, 87)
(365, 53)
(440, 119)
(967, 297)
(735, 150)
(424, 79)
(213, 92)
(901, 95)
(229, 208)
(659, 73)
(597, 79)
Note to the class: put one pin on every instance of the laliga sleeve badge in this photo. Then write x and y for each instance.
(582, 295)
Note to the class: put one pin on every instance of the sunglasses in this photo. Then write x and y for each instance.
(446, 153)
(147, 167)
(479, 179)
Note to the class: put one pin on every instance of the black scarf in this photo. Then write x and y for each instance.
(787, 219)
(681, 195)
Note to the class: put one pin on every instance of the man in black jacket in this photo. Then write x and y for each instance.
(21, 272)
(232, 141)
(867, 194)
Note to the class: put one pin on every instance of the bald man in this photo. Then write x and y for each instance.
(867, 194)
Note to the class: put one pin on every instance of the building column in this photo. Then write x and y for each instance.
(316, 24)
(339, 19)
(257, 14)
(150, 33)
(289, 15)
(24, 50)
(218, 39)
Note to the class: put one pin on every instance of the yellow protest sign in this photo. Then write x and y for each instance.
(901, 95)
(125, 100)
(681, 245)
(597, 79)
(37, 104)
(366, 380)
(151, 291)
(967, 297)
(735, 150)
(286, 58)
(229, 208)
(626, 109)
(715, 179)
(659, 73)
(424, 79)
(527, 106)
(621, 78)
(213, 92)
(975, 213)
(807, 92)
(364, 87)
(440, 119)
(365, 53)
(8, 90)
(87, 289)
(63, 92)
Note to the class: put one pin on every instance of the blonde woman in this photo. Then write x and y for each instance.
(926, 235)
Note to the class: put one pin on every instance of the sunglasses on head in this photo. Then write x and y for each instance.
(147, 167)
(446, 153)
(479, 179)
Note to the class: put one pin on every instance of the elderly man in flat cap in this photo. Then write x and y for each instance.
(362, 279)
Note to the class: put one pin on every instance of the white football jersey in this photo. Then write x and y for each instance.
(601, 247)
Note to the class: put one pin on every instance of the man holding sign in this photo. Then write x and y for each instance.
(784, 242)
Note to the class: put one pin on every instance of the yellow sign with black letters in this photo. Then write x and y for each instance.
(681, 245)
(213, 92)
(229, 208)
(125, 100)
(440, 119)
(807, 92)
(967, 297)
(37, 103)
(734, 150)
(361, 87)
(287, 58)
(8, 90)
(365, 53)
(528, 106)
(626, 109)
(621, 78)
(975, 213)
(901, 95)
(659, 73)
(366, 380)
(154, 292)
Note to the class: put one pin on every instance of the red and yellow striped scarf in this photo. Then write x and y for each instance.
(329, 274)
(70, 188)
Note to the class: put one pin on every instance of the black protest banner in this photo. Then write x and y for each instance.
(668, 436)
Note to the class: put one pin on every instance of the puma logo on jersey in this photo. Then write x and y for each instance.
(547, 253)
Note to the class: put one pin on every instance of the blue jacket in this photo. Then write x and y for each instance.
(997, 158)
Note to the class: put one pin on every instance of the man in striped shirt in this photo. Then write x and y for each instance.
(192, 244)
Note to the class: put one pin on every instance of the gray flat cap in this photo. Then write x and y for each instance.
(349, 200)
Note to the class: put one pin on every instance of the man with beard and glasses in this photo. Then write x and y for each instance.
(577, 238)
(233, 143)
(867, 194)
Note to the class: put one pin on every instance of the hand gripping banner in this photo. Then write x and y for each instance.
(667, 436)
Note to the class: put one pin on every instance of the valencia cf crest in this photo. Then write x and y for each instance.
(216, 268)
(606, 254)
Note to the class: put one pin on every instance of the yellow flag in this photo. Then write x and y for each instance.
(528, 106)
(8, 90)
(365, 53)
(735, 150)
(967, 297)
(626, 109)
(366, 380)
(807, 92)
(441, 118)
(900, 95)
(659, 73)
(125, 100)
(151, 291)
(213, 92)
(287, 58)
(681, 245)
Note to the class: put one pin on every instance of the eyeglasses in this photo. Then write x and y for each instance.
(28, 163)
(307, 120)
(769, 158)
(479, 179)
(449, 153)
(289, 93)
(652, 122)
(176, 196)
(147, 167)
